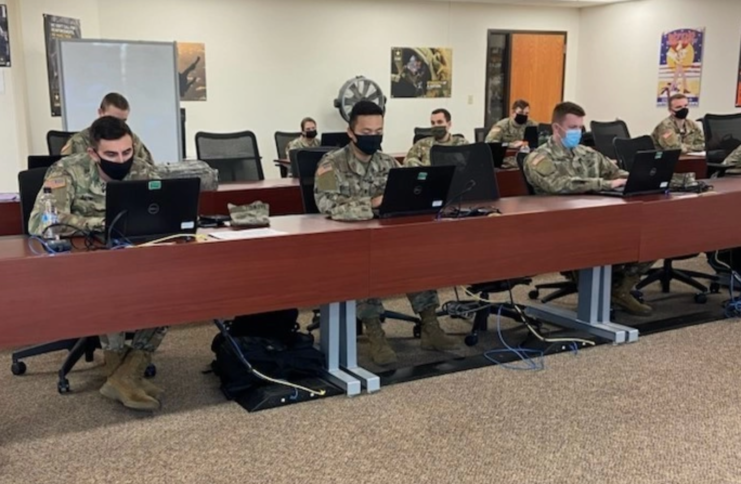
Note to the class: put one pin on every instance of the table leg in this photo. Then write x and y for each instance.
(593, 311)
(349, 348)
(331, 334)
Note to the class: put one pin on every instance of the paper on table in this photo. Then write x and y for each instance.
(702, 154)
(8, 197)
(246, 234)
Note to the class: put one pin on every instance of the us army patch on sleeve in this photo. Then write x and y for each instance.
(54, 183)
(538, 159)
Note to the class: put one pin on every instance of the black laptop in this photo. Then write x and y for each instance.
(146, 210)
(651, 172)
(531, 136)
(42, 161)
(498, 153)
(417, 190)
(338, 140)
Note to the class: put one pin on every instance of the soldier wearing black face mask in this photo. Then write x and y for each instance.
(512, 130)
(419, 154)
(308, 138)
(677, 132)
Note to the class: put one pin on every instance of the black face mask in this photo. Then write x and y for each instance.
(369, 143)
(311, 134)
(682, 113)
(116, 171)
(521, 118)
(439, 132)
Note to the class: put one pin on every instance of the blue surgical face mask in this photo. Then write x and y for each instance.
(572, 138)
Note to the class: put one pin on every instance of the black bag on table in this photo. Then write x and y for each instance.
(271, 344)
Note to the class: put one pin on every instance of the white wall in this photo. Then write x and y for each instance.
(270, 63)
(619, 55)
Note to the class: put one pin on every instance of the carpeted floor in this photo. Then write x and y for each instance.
(663, 410)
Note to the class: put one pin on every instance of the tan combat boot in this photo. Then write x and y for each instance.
(622, 298)
(123, 385)
(381, 352)
(433, 337)
(152, 390)
(113, 360)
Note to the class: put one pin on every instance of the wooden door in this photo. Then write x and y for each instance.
(537, 63)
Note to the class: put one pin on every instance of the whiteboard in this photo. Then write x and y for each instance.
(144, 72)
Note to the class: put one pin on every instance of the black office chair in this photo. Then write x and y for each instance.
(545, 128)
(42, 161)
(479, 134)
(626, 148)
(474, 162)
(722, 136)
(55, 140)
(234, 155)
(604, 133)
(282, 138)
(293, 158)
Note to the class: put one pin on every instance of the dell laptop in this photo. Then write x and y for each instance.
(146, 210)
(415, 191)
(651, 173)
(498, 153)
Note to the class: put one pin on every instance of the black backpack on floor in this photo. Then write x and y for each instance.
(269, 343)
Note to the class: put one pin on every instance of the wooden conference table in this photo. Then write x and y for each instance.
(45, 298)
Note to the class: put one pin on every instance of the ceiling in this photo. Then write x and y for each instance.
(550, 3)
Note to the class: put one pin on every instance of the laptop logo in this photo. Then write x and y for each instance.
(422, 176)
(418, 190)
(155, 185)
(652, 172)
(153, 209)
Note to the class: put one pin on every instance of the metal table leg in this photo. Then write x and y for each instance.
(331, 334)
(349, 348)
(593, 311)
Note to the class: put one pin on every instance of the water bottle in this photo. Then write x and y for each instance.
(49, 216)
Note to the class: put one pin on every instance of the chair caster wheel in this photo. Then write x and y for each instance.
(150, 371)
(701, 298)
(417, 331)
(18, 368)
(534, 294)
(471, 340)
(63, 386)
(638, 295)
(714, 287)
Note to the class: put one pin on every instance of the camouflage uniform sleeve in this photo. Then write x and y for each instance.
(545, 178)
(290, 146)
(665, 138)
(63, 188)
(495, 135)
(72, 146)
(609, 170)
(695, 140)
(143, 153)
(330, 200)
(415, 155)
(734, 158)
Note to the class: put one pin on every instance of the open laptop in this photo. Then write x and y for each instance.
(146, 210)
(651, 172)
(498, 153)
(42, 161)
(417, 190)
(531, 136)
(339, 140)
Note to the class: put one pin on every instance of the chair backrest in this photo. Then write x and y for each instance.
(234, 155)
(282, 138)
(604, 132)
(521, 157)
(479, 134)
(55, 140)
(472, 162)
(545, 128)
(626, 149)
(294, 156)
(29, 186)
(42, 161)
(722, 132)
(308, 161)
(421, 133)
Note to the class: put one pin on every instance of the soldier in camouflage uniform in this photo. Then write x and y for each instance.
(308, 138)
(562, 166)
(677, 132)
(349, 184)
(734, 159)
(78, 184)
(419, 154)
(115, 105)
(512, 130)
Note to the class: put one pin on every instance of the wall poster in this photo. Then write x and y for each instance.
(57, 28)
(4, 37)
(192, 70)
(421, 72)
(680, 65)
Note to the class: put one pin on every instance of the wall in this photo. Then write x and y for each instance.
(271, 63)
(619, 54)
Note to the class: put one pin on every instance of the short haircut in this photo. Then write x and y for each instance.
(116, 100)
(108, 128)
(364, 108)
(444, 112)
(520, 104)
(676, 97)
(307, 120)
(563, 109)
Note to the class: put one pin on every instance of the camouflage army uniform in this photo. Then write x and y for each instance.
(668, 136)
(734, 159)
(554, 170)
(79, 195)
(301, 143)
(80, 142)
(507, 131)
(419, 154)
(343, 190)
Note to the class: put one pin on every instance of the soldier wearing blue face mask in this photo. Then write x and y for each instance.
(562, 166)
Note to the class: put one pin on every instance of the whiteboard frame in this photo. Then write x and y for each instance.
(176, 77)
